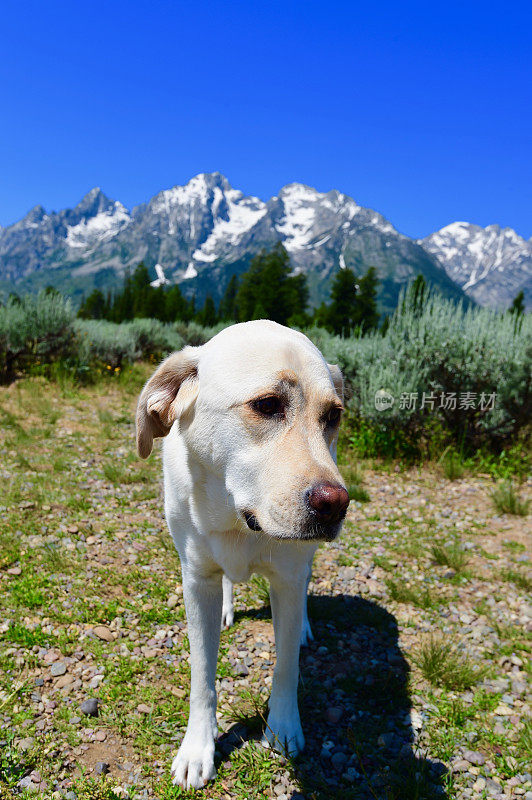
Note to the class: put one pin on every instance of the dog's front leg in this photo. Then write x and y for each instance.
(283, 729)
(193, 765)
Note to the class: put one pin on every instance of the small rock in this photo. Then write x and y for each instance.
(39, 681)
(14, 571)
(64, 680)
(474, 757)
(27, 784)
(241, 669)
(59, 668)
(142, 708)
(333, 715)
(172, 601)
(100, 736)
(102, 768)
(461, 765)
(90, 707)
(102, 632)
(26, 744)
(338, 761)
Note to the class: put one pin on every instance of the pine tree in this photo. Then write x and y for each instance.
(518, 304)
(367, 315)
(342, 313)
(228, 309)
(176, 307)
(94, 306)
(207, 315)
(267, 290)
(418, 294)
(518, 309)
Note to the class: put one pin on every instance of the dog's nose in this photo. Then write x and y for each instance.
(328, 501)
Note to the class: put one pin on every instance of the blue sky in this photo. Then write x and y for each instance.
(422, 111)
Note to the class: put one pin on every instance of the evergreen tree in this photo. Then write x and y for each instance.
(341, 315)
(518, 304)
(94, 306)
(367, 316)
(418, 294)
(267, 289)
(176, 307)
(228, 310)
(518, 309)
(207, 315)
(142, 291)
(122, 307)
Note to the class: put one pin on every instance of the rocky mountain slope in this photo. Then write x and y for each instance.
(490, 264)
(205, 231)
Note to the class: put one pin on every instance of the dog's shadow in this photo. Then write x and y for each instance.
(355, 709)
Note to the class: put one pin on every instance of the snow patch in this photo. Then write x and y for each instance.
(101, 227)
(190, 272)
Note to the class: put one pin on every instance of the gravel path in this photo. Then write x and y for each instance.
(93, 633)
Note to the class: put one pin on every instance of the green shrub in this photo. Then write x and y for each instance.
(112, 345)
(439, 349)
(34, 332)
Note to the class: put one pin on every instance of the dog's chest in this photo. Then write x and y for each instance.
(240, 555)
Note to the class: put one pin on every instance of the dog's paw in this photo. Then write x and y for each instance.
(193, 765)
(228, 617)
(306, 634)
(284, 735)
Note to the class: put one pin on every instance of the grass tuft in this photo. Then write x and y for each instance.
(450, 555)
(402, 593)
(443, 665)
(452, 466)
(354, 479)
(520, 579)
(507, 501)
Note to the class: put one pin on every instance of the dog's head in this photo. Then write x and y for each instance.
(259, 410)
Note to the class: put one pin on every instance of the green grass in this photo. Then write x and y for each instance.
(354, 478)
(450, 555)
(452, 465)
(507, 501)
(402, 593)
(442, 664)
(120, 567)
(520, 578)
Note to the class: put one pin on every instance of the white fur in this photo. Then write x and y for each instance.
(215, 468)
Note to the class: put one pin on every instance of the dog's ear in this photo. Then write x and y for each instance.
(167, 395)
(337, 379)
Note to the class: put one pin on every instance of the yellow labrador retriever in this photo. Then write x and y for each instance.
(251, 485)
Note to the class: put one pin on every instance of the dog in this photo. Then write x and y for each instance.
(250, 485)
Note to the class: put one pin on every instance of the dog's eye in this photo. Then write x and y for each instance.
(269, 406)
(333, 417)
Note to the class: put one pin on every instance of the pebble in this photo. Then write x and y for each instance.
(474, 757)
(102, 768)
(59, 668)
(26, 744)
(338, 761)
(90, 707)
(103, 633)
(333, 715)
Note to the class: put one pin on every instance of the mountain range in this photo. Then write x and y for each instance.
(206, 231)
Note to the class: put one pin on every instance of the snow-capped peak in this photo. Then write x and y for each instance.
(471, 255)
